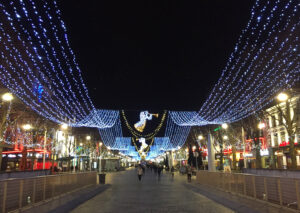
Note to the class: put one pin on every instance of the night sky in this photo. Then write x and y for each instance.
(153, 54)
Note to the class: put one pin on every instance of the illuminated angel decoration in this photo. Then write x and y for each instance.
(143, 146)
(144, 116)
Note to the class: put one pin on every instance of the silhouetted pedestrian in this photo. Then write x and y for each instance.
(172, 171)
(140, 172)
(159, 169)
(189, 173)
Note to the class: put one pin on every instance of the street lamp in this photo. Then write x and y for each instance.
(27, 127)
(224, 125)
(64, 126)
(225, 137)
(261, 125)
(88, 137)
(282, 97)
(200, 137)
(7, 97)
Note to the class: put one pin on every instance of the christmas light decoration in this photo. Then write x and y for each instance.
(39, 66)
(148, 136)
(177, 134)
(121, 144)
(110, 134)
(99, 119)
(47, 79)
(264, 62)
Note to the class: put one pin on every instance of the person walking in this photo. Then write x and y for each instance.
(159, 168)
(172, 171)
(140, 172)
(189, 173)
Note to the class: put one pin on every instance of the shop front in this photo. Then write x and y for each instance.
(31, 159)
(282, 156)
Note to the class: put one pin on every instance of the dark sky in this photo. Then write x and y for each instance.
(153, 54)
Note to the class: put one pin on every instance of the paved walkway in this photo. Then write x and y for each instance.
(127, 194)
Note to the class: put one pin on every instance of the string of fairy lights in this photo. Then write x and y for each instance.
(39, 74)
(39, 66)
(265, 61)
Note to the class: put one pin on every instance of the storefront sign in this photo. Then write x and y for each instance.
(248, 155)
(264, 152)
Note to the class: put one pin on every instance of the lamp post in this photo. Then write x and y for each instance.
(100, 145)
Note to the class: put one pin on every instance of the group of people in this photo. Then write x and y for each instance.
(141, 169)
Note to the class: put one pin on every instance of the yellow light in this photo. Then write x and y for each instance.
(7, 97)
(27, 127)
(88, 137)
(261, 125)
(200, 137)
(225, 137)
(64, 126)
(187, 150)
(225, 126)
(194, 148)
(100, 143)
(81, 144)
(282, 97)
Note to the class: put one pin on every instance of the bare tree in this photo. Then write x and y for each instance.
(250, 125)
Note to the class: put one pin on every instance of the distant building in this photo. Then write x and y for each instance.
(277, 136)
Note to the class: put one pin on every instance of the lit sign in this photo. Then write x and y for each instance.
(248, 155)
(264, 152)
(11, 155)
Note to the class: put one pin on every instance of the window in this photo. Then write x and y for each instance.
(280, 118)
(273, 121)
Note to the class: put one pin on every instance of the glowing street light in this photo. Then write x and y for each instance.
(194, 148)
(261, 125)
(88, 137)
(224, 125)
(64, 126)
(225, 137)
(27, 126)
(7, 97)
(282, 97)
(200, 137)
